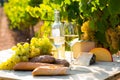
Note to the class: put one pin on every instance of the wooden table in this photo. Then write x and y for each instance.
(98, 71)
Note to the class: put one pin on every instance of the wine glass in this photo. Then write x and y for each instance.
(70, 34)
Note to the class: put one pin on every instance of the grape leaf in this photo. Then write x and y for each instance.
(114, 6)
(67, 2)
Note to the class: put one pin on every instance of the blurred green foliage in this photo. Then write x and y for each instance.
(102, 14)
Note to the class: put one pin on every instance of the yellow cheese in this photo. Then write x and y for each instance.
(82, 46)
(102, 54)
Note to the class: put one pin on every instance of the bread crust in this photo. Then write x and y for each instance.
(49, 70)
(30, 65)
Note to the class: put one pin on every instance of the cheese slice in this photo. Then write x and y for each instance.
(84, 59)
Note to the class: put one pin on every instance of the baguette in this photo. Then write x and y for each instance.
(30, 65)
(43, 59)
(49, 70)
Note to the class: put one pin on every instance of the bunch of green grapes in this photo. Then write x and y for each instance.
(45, 46)
(23, 51)
(10, 63)
(37, 46)
(34, 47)
(21, 54)
(88, 33)
(40, 46)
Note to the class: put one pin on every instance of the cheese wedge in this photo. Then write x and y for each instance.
(79, 46)
(102, 54)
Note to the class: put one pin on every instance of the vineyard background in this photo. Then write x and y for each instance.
(8, 37)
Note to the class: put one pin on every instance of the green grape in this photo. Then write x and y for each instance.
(19, 45)
(15, 58)
(26, 45)
(14, 48)
(34, 52)
(24, 58)
(4, 66)
(37, 50)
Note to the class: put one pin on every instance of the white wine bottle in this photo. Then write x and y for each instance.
(58, 35)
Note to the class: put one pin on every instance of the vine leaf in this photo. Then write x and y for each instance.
(114, 6)
(67, 2)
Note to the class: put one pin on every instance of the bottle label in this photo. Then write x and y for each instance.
(55, 32)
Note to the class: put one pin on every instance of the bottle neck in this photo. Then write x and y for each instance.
(57, 16)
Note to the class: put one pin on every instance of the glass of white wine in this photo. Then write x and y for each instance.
(70, 34)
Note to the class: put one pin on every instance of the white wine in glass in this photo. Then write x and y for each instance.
(59, 47)
(70, 34)
(68, 39)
